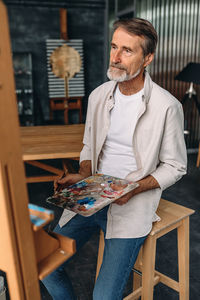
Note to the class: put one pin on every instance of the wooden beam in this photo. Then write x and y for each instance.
(17, 251)
(63, 24)
(35, 179)
(45, 167)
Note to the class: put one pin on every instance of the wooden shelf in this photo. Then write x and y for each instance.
(51, 249)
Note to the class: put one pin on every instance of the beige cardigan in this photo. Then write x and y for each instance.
(158, 146)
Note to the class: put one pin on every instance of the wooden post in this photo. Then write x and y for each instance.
(17, 251)
(183, 259)
(100, 253)
(63, 24)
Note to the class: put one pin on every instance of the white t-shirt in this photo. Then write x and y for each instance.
(117, 157)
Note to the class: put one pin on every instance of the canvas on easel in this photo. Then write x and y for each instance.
(17, 253)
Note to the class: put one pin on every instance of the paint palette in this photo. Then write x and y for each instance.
(91, 194)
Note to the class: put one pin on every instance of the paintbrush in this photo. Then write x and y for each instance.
(60, 186)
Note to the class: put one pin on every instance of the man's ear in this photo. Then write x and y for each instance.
(148, 59)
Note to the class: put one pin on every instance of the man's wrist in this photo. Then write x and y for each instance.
(137, 190)
(85, 168)
(82, 176)
(145, 184)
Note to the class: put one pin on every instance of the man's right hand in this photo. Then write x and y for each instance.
(66, 181)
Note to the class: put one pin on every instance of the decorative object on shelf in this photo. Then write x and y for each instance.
(22, 63)
(65, 72)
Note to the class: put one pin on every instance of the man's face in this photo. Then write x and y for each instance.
(126, 56)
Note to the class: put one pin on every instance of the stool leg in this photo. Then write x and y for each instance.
(100, 253)
(148, 267)
(183, 259)
(137, 279)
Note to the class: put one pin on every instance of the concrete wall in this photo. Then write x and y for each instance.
(32, 22)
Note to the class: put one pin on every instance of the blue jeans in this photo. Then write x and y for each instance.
(118, 260)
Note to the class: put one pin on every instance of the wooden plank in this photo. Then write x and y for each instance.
(137, 293)
(63, 24)
(52, 129)
(170, 213)
(183, 259)
(17, 254)
(137, 274)
(37, 154)
(9, 259)
(173, 284)
(34, 179)
(52, 261)
(51, 142)
(68, 137)
(148, 267)
(46, 167)
(100, 253)
(167, 229)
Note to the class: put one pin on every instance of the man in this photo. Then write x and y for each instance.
(134, 130)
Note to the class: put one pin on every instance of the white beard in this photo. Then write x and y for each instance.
(113, 75)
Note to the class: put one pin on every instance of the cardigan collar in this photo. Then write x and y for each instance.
(148, 84)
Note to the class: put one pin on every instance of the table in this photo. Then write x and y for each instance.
(50, 142)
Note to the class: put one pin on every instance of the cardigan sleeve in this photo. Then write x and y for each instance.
(86, 151)
(172, 156)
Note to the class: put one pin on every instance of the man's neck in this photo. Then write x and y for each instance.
(132, 86)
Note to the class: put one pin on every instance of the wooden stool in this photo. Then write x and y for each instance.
(66, 104)
(173, 216)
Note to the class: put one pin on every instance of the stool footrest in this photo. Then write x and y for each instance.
(137, 293)
(137, 272)
(173, 284)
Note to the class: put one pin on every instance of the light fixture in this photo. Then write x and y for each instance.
(190, 73)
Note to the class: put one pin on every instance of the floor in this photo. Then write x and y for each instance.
(82, 267)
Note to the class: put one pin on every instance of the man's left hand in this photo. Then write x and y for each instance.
(145, 184)
(124, 199)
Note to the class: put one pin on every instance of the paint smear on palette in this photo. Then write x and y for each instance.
(80, 184)
(86, 203)
(92, 194)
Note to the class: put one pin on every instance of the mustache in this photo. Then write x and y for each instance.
(118, 66)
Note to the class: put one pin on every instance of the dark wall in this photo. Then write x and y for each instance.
(32, 22)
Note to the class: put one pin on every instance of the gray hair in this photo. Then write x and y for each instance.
(143, 28)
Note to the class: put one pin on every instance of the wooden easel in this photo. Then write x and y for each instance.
(26, 252)
(67, 103)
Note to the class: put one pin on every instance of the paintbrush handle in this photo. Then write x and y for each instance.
(59, 187)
